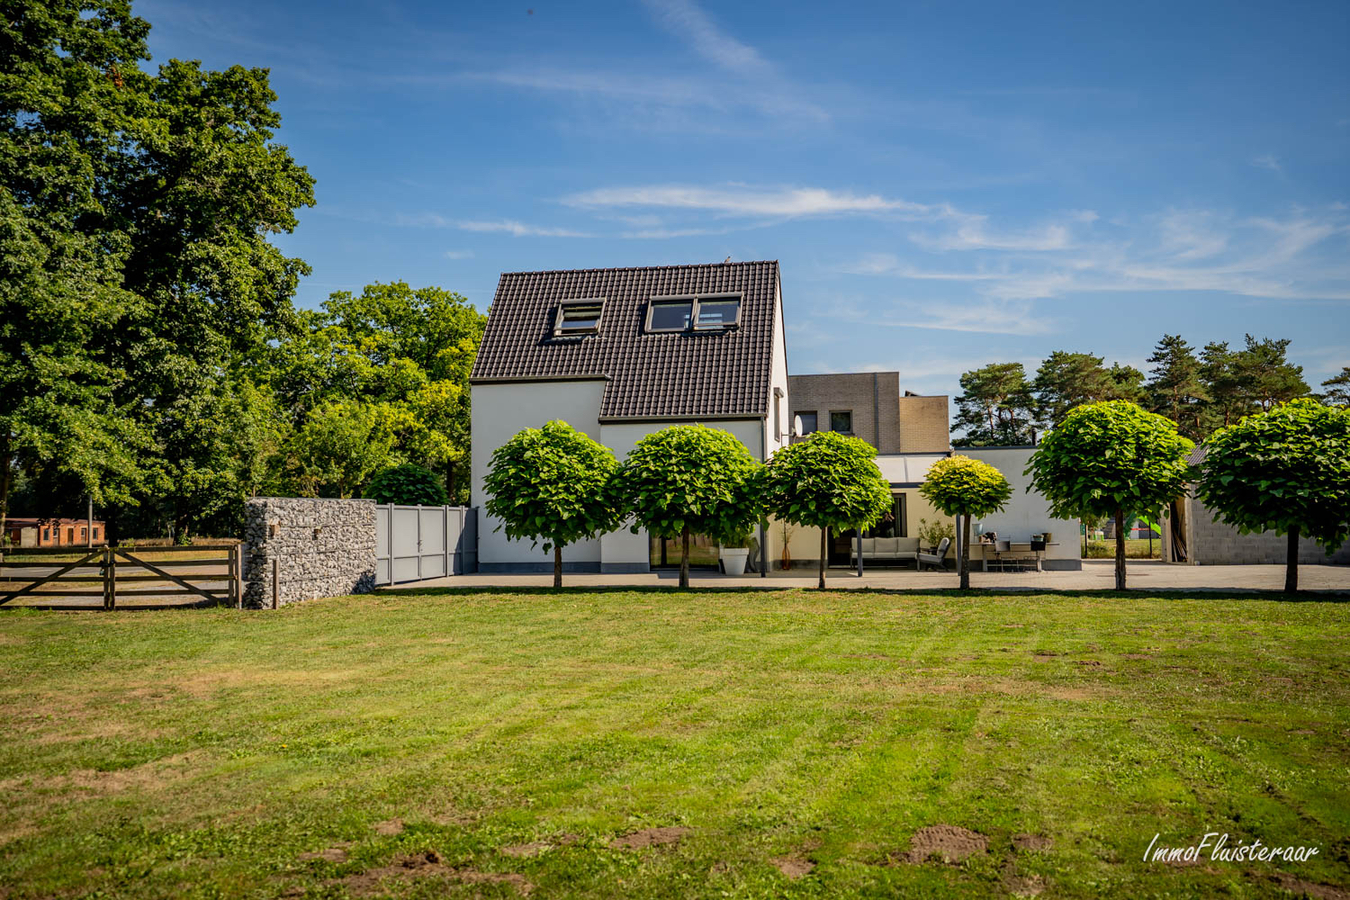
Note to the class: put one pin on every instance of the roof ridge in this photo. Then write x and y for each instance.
(744, 262)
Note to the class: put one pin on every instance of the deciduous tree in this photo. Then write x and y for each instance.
(552, 484)
(409, 485)
(1286, 470)
(1111, 459)
(826, 481)
(961, 486)
(689, 479)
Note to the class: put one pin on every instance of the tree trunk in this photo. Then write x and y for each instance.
(964, 562)
(684, 558)
(1120, 549)
(4, 479)
(1291, 563)
(557, 564)
(824, 553)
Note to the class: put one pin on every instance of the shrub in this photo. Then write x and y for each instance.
(408, 485)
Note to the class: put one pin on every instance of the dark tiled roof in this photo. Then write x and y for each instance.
(650, 375)
(1198, 454)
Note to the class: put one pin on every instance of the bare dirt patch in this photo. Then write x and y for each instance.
(334, 854)
(794, 867)
(1024, 885)
(650, 837)
(426, 865)
(1302, 888)
(950, 843)
(1031, 842)
(389, 827)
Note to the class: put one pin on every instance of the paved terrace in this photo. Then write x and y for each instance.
(1097, 575)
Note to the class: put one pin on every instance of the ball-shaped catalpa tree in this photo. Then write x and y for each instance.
(408, 485)
(1287, 470)
(689, 479)
(552, 484)
(826, 481)
(961, 486)
(1111, 459)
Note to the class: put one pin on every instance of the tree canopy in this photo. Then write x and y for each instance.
(1337, 388)
(1175, 387)
(826, 481)
(552, 484)
(996, 406)
(1111, 459)
(966, 487)
(409, 485)
(1286, 470)
(690, 479)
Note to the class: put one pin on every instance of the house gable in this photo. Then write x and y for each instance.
(689, 374)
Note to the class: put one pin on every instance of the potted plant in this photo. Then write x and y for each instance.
(735, 551)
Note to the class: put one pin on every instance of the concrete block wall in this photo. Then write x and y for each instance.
(324, 548)
(1215, 544)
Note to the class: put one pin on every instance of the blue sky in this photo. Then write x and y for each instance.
(945, 184)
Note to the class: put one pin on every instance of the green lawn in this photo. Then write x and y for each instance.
(499, 744)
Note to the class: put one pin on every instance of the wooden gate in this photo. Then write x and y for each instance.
(150, 577)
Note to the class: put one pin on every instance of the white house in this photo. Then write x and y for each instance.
(619, 354)
(622, 353)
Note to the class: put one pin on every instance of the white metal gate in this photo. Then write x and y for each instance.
(413, 543)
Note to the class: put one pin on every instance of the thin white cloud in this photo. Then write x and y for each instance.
(1290, 258)
(975, 235)
(520, 229)
(1268, 161)
(685, 20)
(458, 254)
(742, 200)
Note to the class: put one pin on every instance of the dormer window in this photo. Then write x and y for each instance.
(577, 317)
(669, 314)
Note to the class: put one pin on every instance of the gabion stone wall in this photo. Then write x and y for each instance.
(324, 548)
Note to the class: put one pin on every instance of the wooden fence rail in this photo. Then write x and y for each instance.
(216, 579)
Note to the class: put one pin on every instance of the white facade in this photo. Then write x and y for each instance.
(1026, 513)
(501, 410)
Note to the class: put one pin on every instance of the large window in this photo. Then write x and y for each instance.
(810, 424)
(578, 317)
(700, 313)
(841, 421)
(892, 523)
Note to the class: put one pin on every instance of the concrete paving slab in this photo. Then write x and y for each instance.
(1096, 575)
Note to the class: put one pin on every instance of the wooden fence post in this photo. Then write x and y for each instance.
(238, 576)
(112, 578)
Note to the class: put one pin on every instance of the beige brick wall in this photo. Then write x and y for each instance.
(883, 418)
(923, 425)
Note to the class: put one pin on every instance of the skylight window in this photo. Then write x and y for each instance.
(669, 315)
(576, 317)
(698, 313)
(715, 313)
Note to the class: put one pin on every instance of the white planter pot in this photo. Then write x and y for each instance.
(733, 559)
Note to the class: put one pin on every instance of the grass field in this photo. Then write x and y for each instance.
(1135, 548)
(663, 744)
